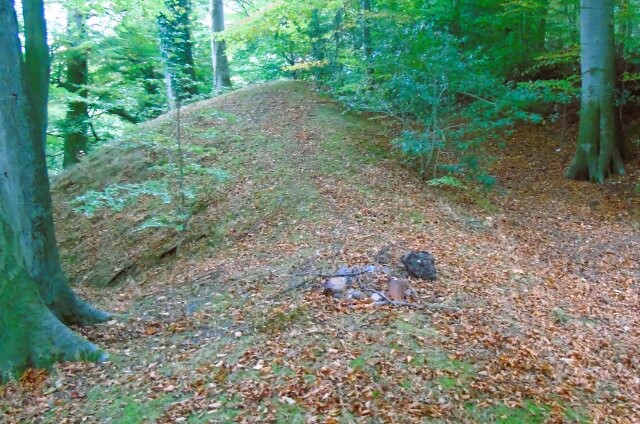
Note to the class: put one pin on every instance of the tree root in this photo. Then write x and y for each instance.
(31, 335)
(68, 307)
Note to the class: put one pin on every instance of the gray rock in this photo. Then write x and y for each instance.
(335, 285)
(356, 294)
(420, 265)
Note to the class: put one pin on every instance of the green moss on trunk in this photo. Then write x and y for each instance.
(30, 335)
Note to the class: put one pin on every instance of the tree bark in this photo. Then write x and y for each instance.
(37, 62)
(24, 183)
(35, 298)
(600, 147)
(221, 73)
(456, 12)
(76, 140)
(366, 36)
(177, 51)
(30, 334)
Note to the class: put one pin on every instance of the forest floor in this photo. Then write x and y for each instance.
(534, 317)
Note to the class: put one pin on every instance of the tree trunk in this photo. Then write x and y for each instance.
(456, 10)
(36, 63)
(76, 139)
(366, 36)
(24, 187)
(539, 30)
(35, 298)
(221, 74)
(30, 334)
(600, 146)
(177, 51)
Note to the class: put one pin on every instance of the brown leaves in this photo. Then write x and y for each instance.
(537, 303)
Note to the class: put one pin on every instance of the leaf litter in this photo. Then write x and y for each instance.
(533, 318)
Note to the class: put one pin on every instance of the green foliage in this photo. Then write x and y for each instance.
(116, 197)
(446, 181)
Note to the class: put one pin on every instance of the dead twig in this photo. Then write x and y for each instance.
(387, 301)
(290, 288)
(397, 303)
(345, 274)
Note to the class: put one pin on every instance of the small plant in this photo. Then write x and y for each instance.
(117, 196)
(446, 181)
(163, 221)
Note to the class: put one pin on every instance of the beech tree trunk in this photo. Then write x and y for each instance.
(177, 51)
(35, 299)
(600, 146)
(30, 334)
(76, 139)
(221, 73)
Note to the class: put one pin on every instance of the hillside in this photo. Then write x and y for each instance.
(534, 316)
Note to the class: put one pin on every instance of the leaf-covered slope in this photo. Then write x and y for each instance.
(248, 155)
(533, 317)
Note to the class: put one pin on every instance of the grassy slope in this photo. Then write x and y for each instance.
(534, 317)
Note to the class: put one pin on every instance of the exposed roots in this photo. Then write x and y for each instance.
(31, 335)
(68, 307)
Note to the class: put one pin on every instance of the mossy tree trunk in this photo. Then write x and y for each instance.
(76, 139)
(30, 334)
(35, 299)
(221, 73)
(177, 51)
(600, 150)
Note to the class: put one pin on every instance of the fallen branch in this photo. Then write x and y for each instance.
(290, 288)
(397, 303)
(387, 301)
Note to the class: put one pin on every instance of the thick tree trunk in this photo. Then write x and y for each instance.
(221, 73)
(24, 183)
(30, 335)
(76, 139)
(600, 146)
(34, 295)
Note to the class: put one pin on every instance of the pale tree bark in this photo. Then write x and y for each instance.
(35, 299)
(600, 147)
(221, 73)
(76, 139)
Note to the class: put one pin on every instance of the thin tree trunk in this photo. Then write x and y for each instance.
(37, 62)
(221, 73)
(35, 298)
(539, 35)
(600, 146)
(366, 36)
(76, 139)
(455, 18)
